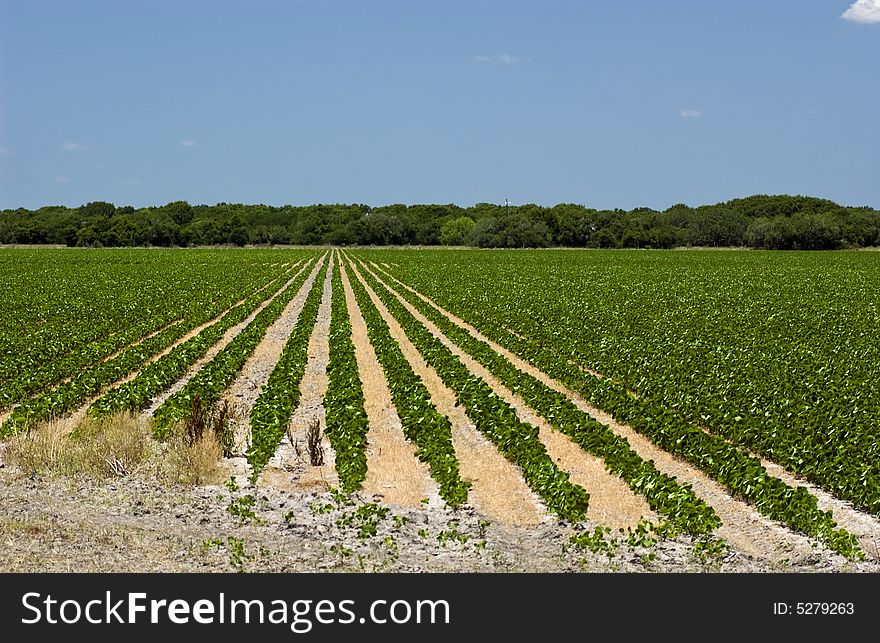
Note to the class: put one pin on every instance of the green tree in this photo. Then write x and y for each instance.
(455, 231)
(180, 212)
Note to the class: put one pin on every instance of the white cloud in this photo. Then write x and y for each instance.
(132, 182)
(863, 11)
(690, 112)
(187, 143)
(70, 146)
(503, 59)
(63, 180)
(5, 151)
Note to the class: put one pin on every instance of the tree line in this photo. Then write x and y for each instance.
(772, 222)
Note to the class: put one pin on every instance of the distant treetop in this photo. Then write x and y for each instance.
(759, 221)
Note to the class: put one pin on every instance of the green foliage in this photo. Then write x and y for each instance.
(784, 222)
(344, 400)
(242, 508)
(231, 484)
(82, 334)
(456, 231)
(677, 502)
(516, 440)
(399, 521)
(365, 519)
(159, 375)
(708, 354)
(271, 412)
(215, 376)
(421, 422)
(452, 534)
(211, 543)
(710, 550)
(238, 556)
(598, 541)
(318, 508)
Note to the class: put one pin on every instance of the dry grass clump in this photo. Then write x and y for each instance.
(215, 420)
(123, 445)
(37, 451)
(200, 442)
(313, 443)
(193, 463)
(118, 446)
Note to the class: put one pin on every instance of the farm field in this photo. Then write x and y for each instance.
(441, 410)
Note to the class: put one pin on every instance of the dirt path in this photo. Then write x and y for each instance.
(743, 527)
(393, 471)
(612, 502)
(287, 469)
(498, 490)
(140, 341)
(248, 384)
(861, 524)
(143, 524)
(189, 335)
(69, 421)
(211, 352)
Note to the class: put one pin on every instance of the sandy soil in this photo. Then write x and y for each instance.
(394, 473)
(288, 469)
(743, 526)
(498, 490)
(211, 352)
(137, 524)
(248, 384)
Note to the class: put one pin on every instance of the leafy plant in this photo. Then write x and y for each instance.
(272, 411)
(365, 519)
(598, 541)
(215, 376)
(696, 390)
(344, 400)
(242, 508)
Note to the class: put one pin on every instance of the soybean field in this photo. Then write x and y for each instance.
(723, 396)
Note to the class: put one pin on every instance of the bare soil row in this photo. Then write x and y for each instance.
(398, 479)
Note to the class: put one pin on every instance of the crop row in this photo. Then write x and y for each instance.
(422, 424)
(775, 352)
(516, 440)
(215, 376)
(344, 401)
(742, 474)
(676, 501)
(63, 311)
(38, 378)
(271, 413)
(158, 376)
(73, 393)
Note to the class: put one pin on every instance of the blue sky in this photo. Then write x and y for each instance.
(606, 103)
